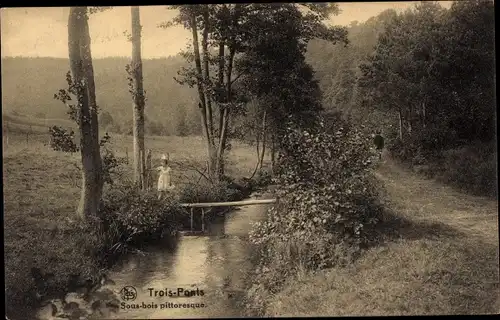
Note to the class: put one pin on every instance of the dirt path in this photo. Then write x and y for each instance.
(424, 200)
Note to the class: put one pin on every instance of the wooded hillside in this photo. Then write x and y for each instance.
(29, 85)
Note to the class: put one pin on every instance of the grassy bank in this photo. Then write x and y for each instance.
(439, 256)
(41, 192)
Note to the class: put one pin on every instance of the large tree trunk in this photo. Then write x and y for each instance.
(94, 119)
(201, 94)
(138, 101)
(82, 74)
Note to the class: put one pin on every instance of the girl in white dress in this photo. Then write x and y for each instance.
(165, 177)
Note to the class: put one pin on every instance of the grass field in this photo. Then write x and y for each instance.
(41, 193)
(442, 259)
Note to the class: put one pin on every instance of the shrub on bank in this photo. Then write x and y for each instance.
(263, 177)
(217, 192)
(327, 204)
(131, 218)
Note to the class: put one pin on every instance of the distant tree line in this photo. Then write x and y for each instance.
(181, 124)
(425, 76)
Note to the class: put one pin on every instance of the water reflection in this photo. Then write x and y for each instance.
(215, 263)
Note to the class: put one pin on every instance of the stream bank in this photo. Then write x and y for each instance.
(203, 277)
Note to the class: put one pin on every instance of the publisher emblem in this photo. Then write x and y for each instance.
(128, 293)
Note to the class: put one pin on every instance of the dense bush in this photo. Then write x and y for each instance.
(471, 169)
(263, 177)
(218, 192)
(62, 139)
(130, 218)
(327, 202)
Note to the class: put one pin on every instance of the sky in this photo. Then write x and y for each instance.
(42, 32)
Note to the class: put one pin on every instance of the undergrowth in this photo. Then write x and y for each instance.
(470, 168)
(327, 206)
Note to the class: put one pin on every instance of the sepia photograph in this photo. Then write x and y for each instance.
(297, 159)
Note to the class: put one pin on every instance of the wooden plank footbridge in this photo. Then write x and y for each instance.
(210, 205)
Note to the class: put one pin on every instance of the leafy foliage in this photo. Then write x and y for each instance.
(130, 218)
(62, 140)
(423, 78)
(110, 164)
(422, 68)
(65, 96)
(219, 192)
(327, 202)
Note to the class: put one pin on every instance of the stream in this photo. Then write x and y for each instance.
(204, 277)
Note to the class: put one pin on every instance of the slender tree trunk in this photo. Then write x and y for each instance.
(257, 147)
(400, 114)
(206, 57)
(424, 124)
(410, 120)
(138, 100)
(220, 83)
(82, 74)
(201, 94)
(225, 117)
(149, 168)
(273, 152)
(261, 161)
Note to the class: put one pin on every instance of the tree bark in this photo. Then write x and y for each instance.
(94, 118)
(138, 101)
(82, 74)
